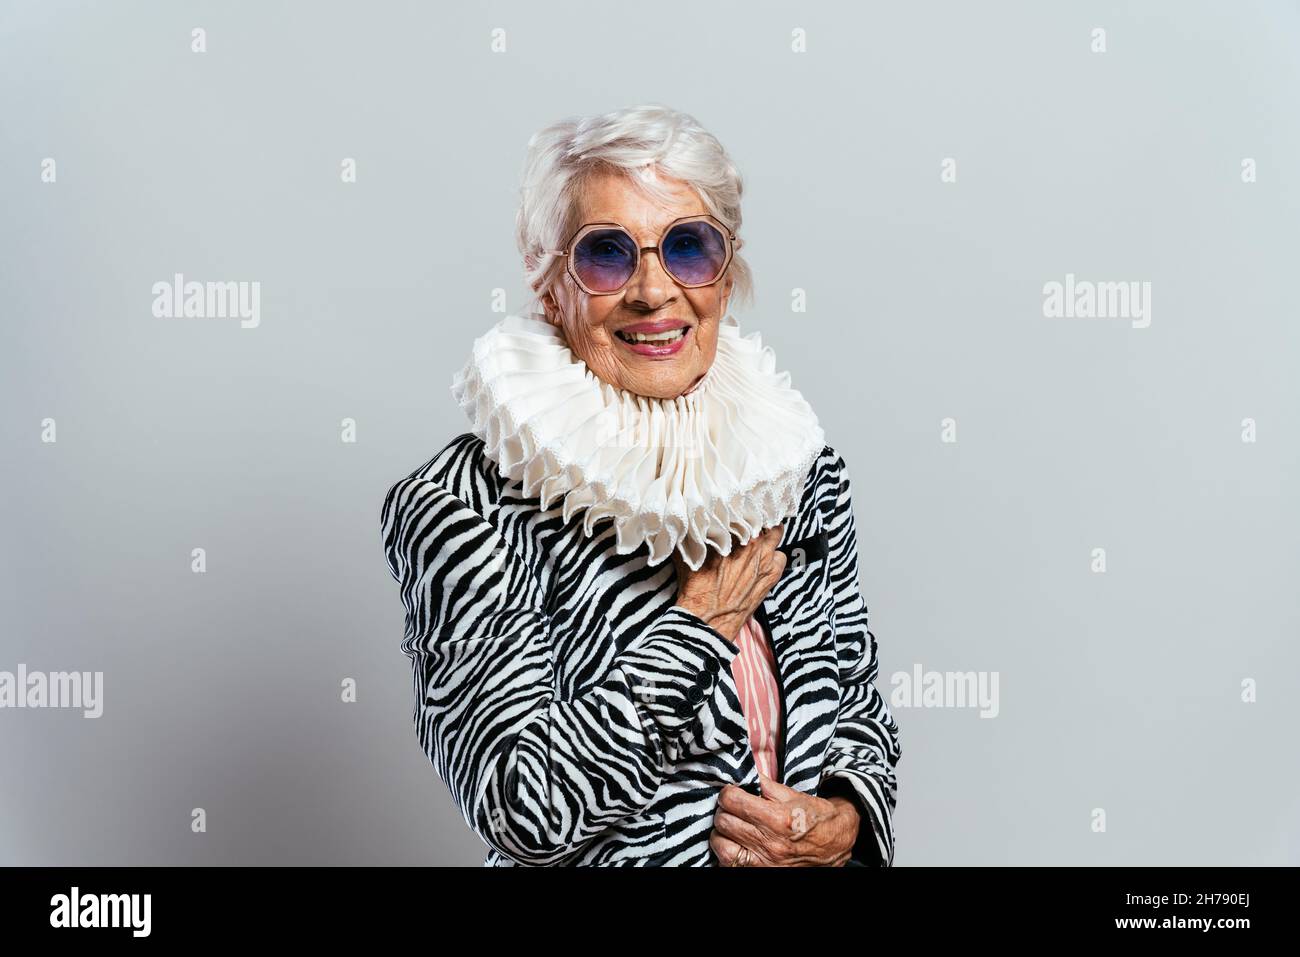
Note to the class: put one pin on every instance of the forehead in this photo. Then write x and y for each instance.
(613, 198)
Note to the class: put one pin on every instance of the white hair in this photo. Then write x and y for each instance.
(638, 142)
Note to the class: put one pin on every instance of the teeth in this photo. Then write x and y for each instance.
(671, 336)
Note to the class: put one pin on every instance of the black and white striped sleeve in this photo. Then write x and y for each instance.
(535, 776)
(865, 749)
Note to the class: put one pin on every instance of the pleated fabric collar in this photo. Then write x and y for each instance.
(713, 467)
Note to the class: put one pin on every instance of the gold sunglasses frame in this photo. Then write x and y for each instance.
(733, 243)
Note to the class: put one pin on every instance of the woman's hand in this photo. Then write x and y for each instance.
(783, 828)
(726, 590)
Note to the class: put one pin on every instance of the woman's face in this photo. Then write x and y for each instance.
(599, 328)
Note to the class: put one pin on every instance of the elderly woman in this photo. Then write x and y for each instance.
(631, 590)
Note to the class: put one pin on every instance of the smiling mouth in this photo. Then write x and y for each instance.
(667, 337)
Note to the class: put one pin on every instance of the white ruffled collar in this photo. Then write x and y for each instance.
(713, 467)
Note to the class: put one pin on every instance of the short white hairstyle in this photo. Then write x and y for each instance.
(640, 143)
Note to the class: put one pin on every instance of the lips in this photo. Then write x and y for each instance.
(659, 338)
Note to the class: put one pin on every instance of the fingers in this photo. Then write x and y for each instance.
(763, 546)
(731, 586)
(760, 549)
(774, 566)
(760, 811)
(769, 847)
(773, 542)
(774, 790)
(770, 539)
(729, 853)
(764, 562)
(778, 564)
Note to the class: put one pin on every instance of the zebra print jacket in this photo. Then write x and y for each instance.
(578, 716)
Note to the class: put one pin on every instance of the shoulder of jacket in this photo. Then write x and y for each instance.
(829, 459)
(828, 481)
(462, 468)
(829, 467)
(455, 485)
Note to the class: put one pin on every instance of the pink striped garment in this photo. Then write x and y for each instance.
(754, 668)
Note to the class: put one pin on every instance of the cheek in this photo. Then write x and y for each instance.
(593, 317)
(707, 344)
(588, 336)
(707, 303)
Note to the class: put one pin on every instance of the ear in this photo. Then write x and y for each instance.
(548, 303)
(551, 307)
(728, 285)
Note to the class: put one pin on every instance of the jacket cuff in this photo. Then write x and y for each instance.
(673, 668)
(873, 846)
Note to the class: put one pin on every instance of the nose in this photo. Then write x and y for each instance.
(651, 285)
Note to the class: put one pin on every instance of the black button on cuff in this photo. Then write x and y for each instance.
(712, 665)
(695, 694)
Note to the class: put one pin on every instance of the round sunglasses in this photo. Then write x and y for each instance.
(602, 258)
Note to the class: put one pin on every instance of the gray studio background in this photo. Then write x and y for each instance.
(1119, 691)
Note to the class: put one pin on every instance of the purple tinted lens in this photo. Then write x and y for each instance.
(694, 252)
(604, 259)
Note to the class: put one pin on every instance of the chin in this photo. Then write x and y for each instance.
(664, 386)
